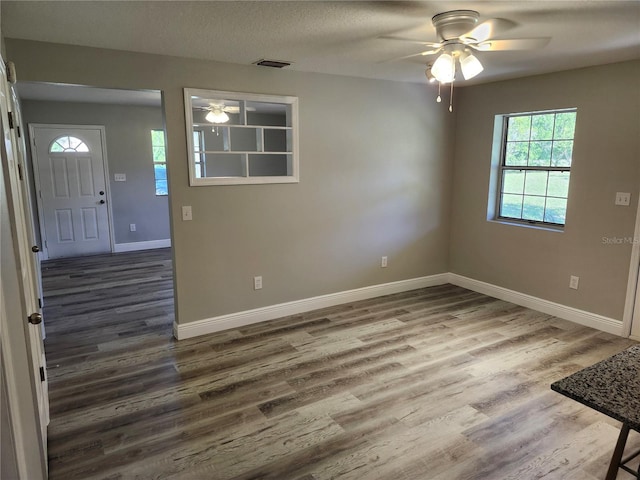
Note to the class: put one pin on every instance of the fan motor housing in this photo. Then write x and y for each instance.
(453, 24)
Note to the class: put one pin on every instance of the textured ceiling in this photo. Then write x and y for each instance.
(332, 37)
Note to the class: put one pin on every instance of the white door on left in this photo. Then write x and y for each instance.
(72, 190)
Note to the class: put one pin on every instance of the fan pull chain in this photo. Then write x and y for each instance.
(453, 77)
(439, 98)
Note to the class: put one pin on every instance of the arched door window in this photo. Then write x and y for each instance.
(67, 143)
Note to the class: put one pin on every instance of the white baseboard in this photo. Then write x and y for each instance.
(582, 317)
(134, 246)
(247, 317)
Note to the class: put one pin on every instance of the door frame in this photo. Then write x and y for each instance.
(631, 314)
(44, 254)
(15, 344)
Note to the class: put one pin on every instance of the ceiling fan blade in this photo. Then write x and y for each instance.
(411, 40)
(512, 44)
(487, 29)
(425, 53)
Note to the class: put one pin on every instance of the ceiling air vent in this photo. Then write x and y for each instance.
(272, 63)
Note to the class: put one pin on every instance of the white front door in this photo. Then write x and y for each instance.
(72, 189)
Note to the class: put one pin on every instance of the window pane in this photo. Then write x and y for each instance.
(197, 144)
(513, 181)
(558, 184)
(157, 138)
(161, 187)
(74, 142)
(562, 152)
(158, 154)
(160, 171)
(511, 206)
(555, 211)
(518, 128)
(565, 125)
(536, 183)
(56, 147)
(542, 127)
(517, 153)
(533, 208)
(540, 154)
(198, 170)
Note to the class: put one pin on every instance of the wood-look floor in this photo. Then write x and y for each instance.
(438, 384)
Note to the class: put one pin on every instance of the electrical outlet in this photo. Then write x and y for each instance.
(120, 177)
(623, 198)
(132, 227)
(573, 282)
(186, 213)
(383, 262)
(257, 283)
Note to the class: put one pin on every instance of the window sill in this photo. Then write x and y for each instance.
(535, 226)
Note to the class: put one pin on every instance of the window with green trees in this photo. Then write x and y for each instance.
(159, 161)
(535, 166)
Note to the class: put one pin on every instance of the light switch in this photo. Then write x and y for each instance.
(623, 198)
(120, 177)
(186, 213)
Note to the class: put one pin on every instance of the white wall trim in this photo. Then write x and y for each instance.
(248, 317)
(135, 246)
(581, 317)
(633, 286)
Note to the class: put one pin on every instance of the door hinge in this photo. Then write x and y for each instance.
(11, 72)
(40, 302)
(18, 130)
(20, 172)
(45, 244)
(42, 374)
(10, 119)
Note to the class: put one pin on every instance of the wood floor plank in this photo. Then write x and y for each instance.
(439, 383)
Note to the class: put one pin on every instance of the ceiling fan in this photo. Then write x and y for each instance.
(460, 35)
(217, 112)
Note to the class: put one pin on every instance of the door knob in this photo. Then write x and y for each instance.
(101, 192)
(35, 249)
(35, 318)
(101, 201)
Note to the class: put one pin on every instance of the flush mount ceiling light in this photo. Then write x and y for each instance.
(459, 36)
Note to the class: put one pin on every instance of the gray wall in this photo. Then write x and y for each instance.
(129, 151)
(606, 160)
(375, 180)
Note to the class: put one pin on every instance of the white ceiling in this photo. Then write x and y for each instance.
(339, 37)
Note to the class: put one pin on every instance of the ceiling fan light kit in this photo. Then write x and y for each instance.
(216, 115)
(459, 35)
(470, 65)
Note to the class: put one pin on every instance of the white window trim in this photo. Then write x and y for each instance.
(496, 177)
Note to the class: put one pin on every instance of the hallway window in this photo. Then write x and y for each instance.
(159, 161)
